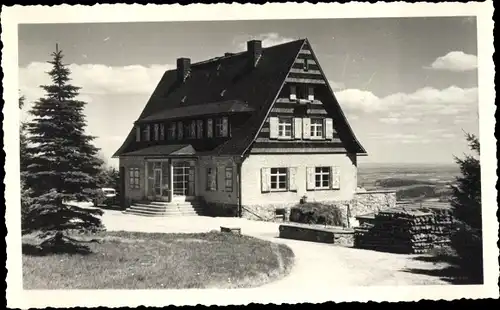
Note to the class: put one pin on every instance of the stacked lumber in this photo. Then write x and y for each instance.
(401, 230)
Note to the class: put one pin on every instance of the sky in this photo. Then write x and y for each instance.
(408, 86)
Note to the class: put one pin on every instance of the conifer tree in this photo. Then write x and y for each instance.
(466, 203)
(63, 163)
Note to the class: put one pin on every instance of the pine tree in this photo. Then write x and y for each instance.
(466, 203)
(63, 164)
(25, 192)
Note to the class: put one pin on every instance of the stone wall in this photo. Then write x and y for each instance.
(220, 209)
(369, 202)
(265, 212)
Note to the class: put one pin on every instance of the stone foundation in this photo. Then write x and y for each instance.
(265, 212)
(220, 209)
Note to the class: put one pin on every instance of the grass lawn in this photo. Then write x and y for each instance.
(132, 260)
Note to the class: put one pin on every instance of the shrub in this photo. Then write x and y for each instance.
(316, 213)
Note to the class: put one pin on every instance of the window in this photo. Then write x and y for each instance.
(137, 133)
(278, 179)
(322, 178)
(156, 131)
(179, 131)
(302, 91)
(171, 131)
(192, 129)
(210, 128)
(306, 64)
(211, 179)
(219, 131)
(162, 131)
(285, 128)
(229, 179)
(316, 128)
(145, 133)
(134, 178)
(187, 130)
(199, 129)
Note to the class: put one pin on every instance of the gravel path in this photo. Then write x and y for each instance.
(315, 265)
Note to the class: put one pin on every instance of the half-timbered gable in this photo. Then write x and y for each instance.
(298, 121)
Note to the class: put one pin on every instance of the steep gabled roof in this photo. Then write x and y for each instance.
(232, 84)
(226, 78)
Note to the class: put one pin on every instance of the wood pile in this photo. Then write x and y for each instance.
(409, 231)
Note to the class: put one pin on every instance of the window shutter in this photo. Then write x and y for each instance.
(310, 95)
(292, 185)
(221, 174)
(224, 127)
(328, 128)
(162, 131)
(310, 178)
(273, 127)
(148, 133)
(306, 128)
(265, 179)
(137, 133)
(335, 177)
(210, 128)
(293, 92)
(297, 128)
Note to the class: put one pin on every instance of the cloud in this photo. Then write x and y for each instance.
(449, 101)
(336, 85)
(94, 79)
(455, 61)
(268, 39)
(398, 118)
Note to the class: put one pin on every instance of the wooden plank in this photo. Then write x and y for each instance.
(307, 81)
(310, 71)
(317, 112)
(258, 150)
(301, 61)
(301, 65)
(287, 103)
(283, 110)
(305, 75)
(298, 143)
(304, 51)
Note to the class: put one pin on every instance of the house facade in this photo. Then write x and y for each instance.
(244, 133)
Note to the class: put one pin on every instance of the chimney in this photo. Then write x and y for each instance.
(254, 49)
(183, 68)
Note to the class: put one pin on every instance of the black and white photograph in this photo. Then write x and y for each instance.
(263, 157)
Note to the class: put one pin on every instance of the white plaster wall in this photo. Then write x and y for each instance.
(220, 195)
(251, 178)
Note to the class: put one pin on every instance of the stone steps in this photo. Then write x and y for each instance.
(161, 208)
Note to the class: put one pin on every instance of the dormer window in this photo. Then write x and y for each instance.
(199, 129)
(146, 133)
(171, 131)
(221, 127)
(192, 129)
(180, 131)
(162, 131)
(137, 133)
(156, 132)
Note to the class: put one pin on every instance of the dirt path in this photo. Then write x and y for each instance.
(315, 265)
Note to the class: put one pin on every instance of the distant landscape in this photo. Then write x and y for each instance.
(414, 182)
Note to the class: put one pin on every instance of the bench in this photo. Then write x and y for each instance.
(234, 230)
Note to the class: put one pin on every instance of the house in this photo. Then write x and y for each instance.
(245, 133)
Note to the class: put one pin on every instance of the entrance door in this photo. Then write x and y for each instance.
(183, 181)
(157, 182)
